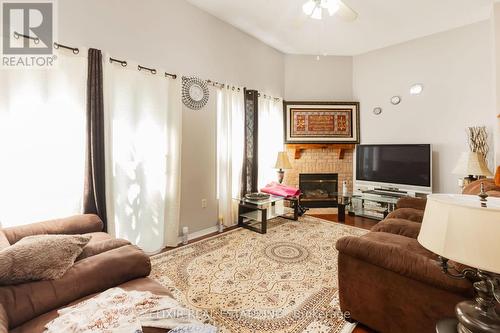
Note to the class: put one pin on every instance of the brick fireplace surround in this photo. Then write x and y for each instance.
(322, 160)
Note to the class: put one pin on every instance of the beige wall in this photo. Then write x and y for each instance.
(174, 35)
(326, 79)
(456, 68)
(495, 23)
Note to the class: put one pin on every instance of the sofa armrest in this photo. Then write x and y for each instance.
(410, 202)
(91, 275)
(402, 262)
(78, 224)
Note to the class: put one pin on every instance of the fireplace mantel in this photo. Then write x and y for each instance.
(341, 147)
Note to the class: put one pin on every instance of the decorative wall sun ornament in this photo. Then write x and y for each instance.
(194, 92)
(314, 9)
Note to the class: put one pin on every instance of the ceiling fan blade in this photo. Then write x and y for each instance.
(347, 13)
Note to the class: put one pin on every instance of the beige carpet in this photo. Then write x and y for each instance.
(284, 281)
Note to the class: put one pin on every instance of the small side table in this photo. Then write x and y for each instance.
(344, 200)
(447, 326)
(252, 213)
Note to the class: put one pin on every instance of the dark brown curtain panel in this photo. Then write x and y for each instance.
(94, 199)
(250, 156)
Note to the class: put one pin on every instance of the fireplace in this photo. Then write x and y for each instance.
(318, 189)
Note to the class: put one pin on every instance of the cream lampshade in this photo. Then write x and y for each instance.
(282, 162)
(472, 163)
(456, 227)
(466, 229)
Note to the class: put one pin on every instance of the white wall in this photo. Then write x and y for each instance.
(175, 36)
(326, 79)
(456, 68)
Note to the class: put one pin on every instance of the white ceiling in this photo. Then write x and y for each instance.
(381, 23)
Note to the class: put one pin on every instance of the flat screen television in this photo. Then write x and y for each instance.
(406, 167)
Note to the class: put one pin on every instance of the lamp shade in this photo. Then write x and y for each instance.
(282, 162)
(471, 163)
(456, 227)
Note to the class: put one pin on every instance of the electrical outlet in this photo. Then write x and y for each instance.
(203, 203)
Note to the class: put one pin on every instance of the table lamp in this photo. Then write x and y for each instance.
(466, 229)
(472, 164)
(282, 162)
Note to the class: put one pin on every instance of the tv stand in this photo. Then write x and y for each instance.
(376, 204)
(390, 190)
(387, 192)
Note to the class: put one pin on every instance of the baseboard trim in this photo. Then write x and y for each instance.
(198, 234)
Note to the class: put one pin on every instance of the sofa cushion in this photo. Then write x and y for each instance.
(143, 284)
(401, 255)
(43, 257)
(397, 226)
(412, 214)
(411, 202)
(94, 274)
(98, 237)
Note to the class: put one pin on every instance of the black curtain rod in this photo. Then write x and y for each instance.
(173, 76)
(121, 62)
(139, 67)
(17, 35)
(151, 70)
(75, 50)
(36, 40)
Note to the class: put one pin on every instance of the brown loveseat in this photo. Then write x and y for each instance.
(27, 307)
(389, 282)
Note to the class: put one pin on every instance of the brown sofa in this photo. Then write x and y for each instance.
(29, 306)
(389, 282)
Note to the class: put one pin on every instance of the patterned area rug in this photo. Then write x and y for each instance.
(284, 281)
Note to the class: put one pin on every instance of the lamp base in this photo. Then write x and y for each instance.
(281, 175)
(472, 319)
(480, 316)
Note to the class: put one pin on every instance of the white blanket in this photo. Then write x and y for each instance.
(120, 311)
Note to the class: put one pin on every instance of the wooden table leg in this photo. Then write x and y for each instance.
(341, 213)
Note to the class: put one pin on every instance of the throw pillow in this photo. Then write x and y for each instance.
(42, 257)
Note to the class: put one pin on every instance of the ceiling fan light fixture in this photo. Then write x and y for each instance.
(309, 7)
(332, 6)
(314, 8)
(317, 13)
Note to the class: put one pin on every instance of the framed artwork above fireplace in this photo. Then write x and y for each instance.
(321, 122)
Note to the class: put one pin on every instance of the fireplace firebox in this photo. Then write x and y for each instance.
(318, 189)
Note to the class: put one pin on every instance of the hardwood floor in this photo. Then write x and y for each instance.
(354, 221)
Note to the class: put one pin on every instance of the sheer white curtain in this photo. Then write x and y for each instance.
(174, 145)
(230, 145)
(143, 155)
(271, 140)
(42, 140)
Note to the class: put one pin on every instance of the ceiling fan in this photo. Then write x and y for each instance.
(315, 8)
